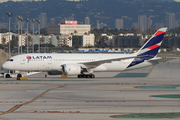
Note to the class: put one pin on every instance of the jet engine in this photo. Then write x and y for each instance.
(71, 69)
(54, 72)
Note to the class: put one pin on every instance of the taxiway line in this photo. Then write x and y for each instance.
(18, 106)
(150, 71)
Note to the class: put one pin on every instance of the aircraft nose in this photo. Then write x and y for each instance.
(4, 65)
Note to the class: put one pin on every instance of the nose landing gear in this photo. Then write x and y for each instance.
(19, 76)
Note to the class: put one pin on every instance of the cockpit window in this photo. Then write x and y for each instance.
(10, 60)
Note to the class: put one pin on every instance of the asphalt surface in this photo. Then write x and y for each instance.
(56, 98)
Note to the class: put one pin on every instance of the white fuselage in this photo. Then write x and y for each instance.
(53, 62)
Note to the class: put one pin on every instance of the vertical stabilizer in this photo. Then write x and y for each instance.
(150, 48)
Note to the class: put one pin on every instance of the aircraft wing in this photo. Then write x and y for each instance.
(94, 64)
(159, 59)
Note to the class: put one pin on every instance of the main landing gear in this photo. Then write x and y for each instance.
(86, 76)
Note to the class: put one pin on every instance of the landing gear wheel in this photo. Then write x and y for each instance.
(92, 76)
(83, 76)
(79, 76)
(86, 76)
(8, 76)
(19, 75)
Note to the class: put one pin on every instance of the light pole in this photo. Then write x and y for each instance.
(33, 35)
(61, 39)
(18, 17)
(9, 15)
(39, 33)
(27, 33)
(21, 33)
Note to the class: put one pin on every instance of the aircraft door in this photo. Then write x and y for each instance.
(100, 58)
(50, 61)
(49, 65)
(22, 60)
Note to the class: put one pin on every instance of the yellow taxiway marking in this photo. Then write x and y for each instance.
(150, 71)
(18, 106)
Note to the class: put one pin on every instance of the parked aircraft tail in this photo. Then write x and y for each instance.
(150, 48)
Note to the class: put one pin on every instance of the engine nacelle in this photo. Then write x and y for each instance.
(71, 69)
(54, 72)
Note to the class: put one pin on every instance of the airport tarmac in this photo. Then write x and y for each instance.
(107, 97)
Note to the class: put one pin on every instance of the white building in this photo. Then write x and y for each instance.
(66, 40)
(109, 39)
(6, 37)
(127, 34)
(52, 21)
(24, 36)
(69, 29)
(43, 20)
(87, 20)
(98, 26)
(142, 21)
(170, 20)
(87, 40)
(149, 23)
(119, 24)
(23, 40)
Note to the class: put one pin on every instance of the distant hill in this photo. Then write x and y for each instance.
(1, 1)
(3, 56)
(171, 0)
(106, 11)
(168, 0)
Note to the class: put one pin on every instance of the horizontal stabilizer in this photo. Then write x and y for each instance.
(163, 59)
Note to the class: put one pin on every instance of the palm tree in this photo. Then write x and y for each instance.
(57, 37)
(50, 42)
(30, 40)
(75, 32)
(42, 40)
(69, 38)
(107, 38)
(3, 40)
(72, 36)
(118, 38)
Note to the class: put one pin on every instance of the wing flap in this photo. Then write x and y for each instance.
(94, 64)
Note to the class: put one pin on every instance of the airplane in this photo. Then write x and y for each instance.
(78, 64)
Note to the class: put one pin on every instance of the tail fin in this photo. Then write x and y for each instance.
(151, 47)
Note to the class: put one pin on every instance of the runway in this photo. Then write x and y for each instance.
(104, 98)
